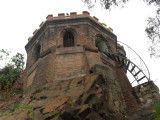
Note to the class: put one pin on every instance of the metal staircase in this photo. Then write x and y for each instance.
(127, 64)
(131, 62)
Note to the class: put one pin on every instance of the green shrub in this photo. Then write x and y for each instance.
(10, 72)
(156, 108)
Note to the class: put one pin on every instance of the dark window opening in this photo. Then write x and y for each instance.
(68, 40)
(90, 71)
(102, 47)
(38, 49)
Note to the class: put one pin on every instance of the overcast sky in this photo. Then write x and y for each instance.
(19, 19)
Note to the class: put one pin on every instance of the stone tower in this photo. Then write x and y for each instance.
(76, 70)
(64, 47)
(67, 47)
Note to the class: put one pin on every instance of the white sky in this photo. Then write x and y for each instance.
(19, 19)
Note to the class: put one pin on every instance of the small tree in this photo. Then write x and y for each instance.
(10, 72)
(18, 62)
(4, 55)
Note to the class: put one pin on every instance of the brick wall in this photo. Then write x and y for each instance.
(45, 71)
(84, 34)
(70, 62)
(66, 64)
(127, 90)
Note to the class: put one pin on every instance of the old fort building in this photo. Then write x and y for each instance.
(66, 47)
(76, 59)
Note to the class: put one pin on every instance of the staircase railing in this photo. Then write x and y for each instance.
(131, 62)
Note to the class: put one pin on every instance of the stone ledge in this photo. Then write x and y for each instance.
(69, 50)
(91, 48)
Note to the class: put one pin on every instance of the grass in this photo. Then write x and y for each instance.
(23, 108)
(17, 107)
(156, 111)
(27, 89)
(5, 113)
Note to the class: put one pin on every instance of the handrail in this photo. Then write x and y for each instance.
(139, 58)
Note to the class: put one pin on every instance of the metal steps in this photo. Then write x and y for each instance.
(127, 64)
(126, 60)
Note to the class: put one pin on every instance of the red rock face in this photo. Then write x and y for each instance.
(80, 98)
(96, 96)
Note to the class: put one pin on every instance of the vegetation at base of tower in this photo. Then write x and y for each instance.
(10, 71)
(71, 102)
(17, 107)
(156, 111)
(152, 29)
(27, 89)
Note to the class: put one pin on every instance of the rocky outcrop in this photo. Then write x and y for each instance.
(141, 113)
(147, 93)
(83, 98)
(100, 95)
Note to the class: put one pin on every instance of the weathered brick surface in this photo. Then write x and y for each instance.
(93, 58)
(84, 34)
(45, 71)
(70, 65)
(127, 90)
(66, 63)
(30, 79)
